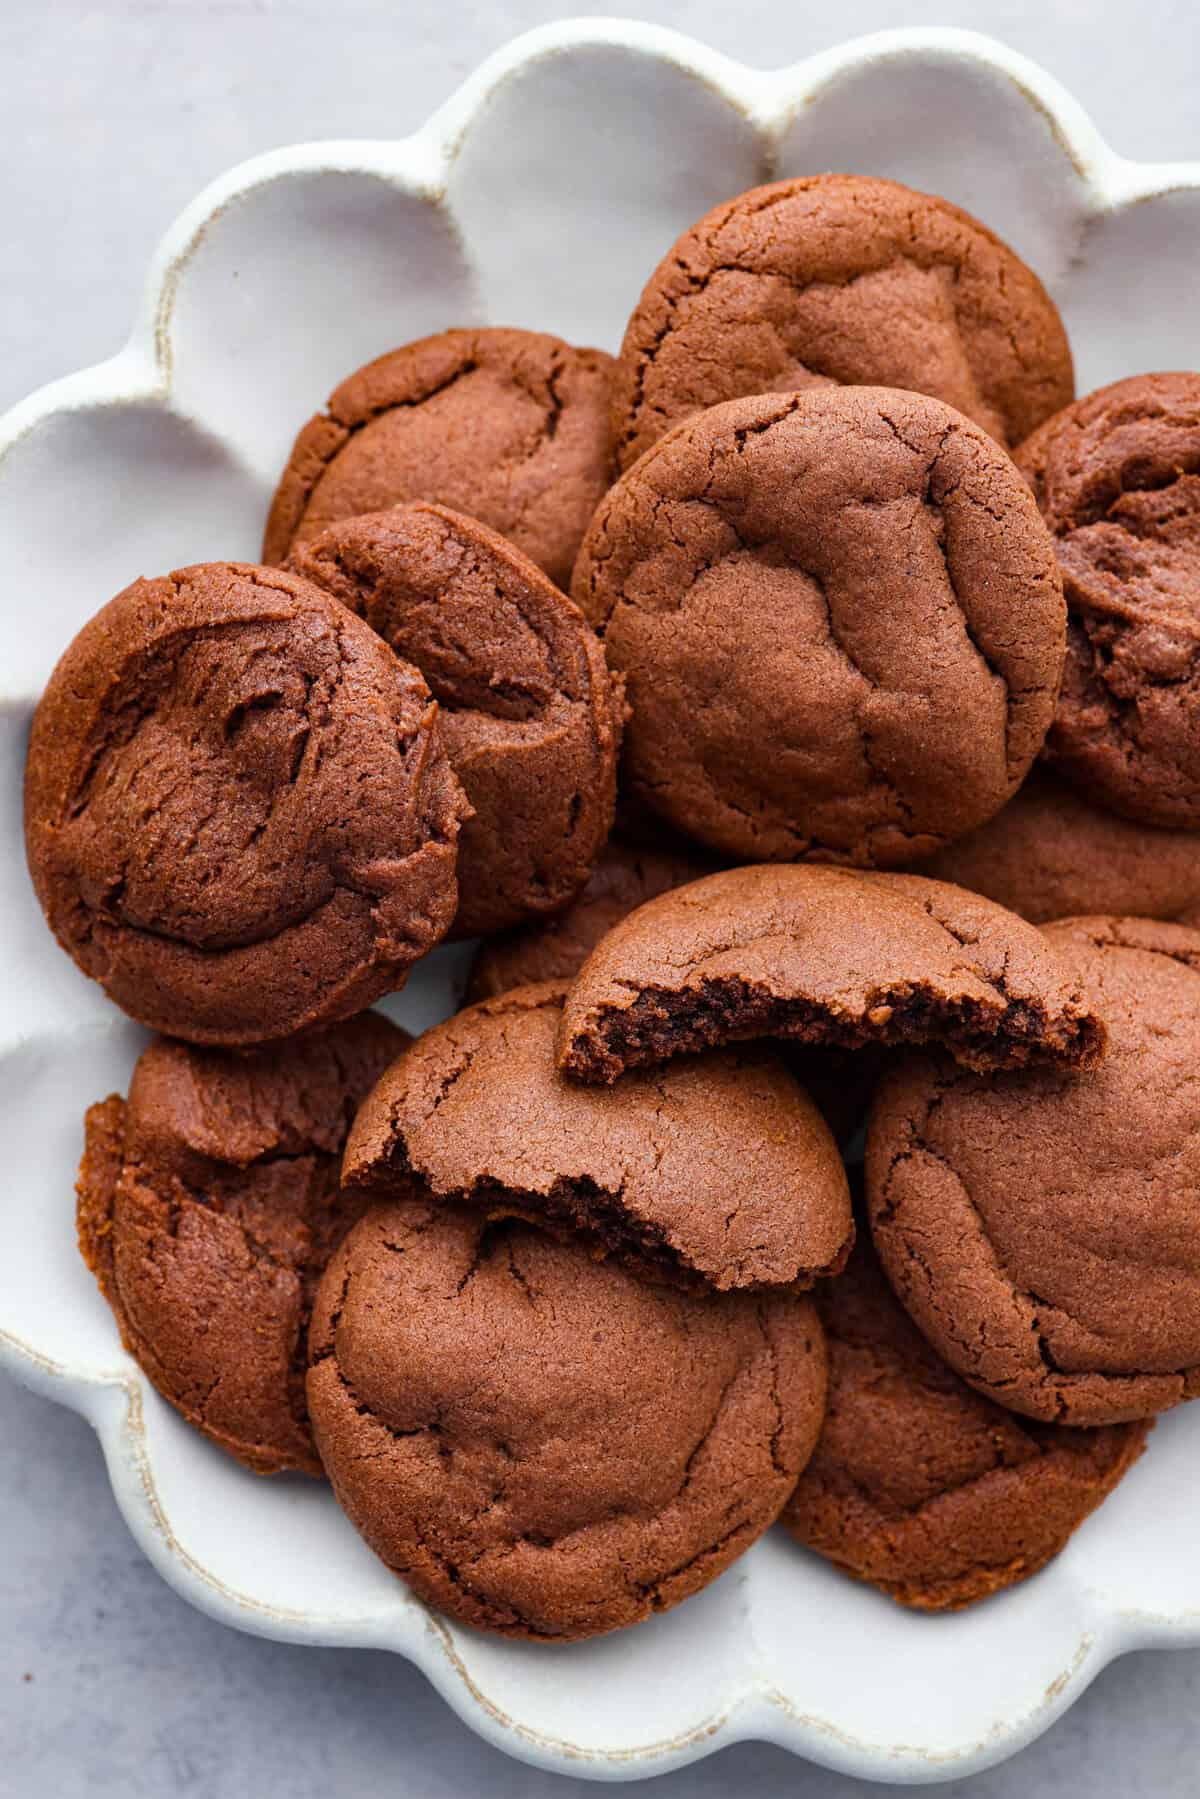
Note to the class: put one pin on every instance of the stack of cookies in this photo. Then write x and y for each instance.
(803, 712)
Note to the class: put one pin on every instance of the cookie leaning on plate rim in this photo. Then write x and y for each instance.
(239, 814)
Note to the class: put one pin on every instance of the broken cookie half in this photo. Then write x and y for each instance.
(826, 956)
(716, 1173)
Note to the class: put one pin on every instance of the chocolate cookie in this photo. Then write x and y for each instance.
(840, 621)
(530, 716)
(239, 815)
(718, 1171)
(1117, 477)
(839, 1081)
(840, 279)
(508, 426)
(827, 956)
(1049, 854)
(1042, 1228)
(920, 1486)
(623, 878)
(208, 1208)
(540, 1444)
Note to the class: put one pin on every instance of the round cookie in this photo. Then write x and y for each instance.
(840, 279)
(239, 814)
(1117, 477)
(1050, 854)
(529, 714)
(209, 1204)
(840, 621)
(718, 1171)
(540, 1444)
(623, 878)
(1042, 1229)
(508, 426)
(920, 1486)
(827, 956)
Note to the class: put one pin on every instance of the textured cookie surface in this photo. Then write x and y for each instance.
(921, 1486)
(717, 1171)
(239, 814)
(1051, 854)
(840, 621)
(208, 1208)
(827, 956)
(840, 279)
(508, 426)
(529, 714)
(1042, 1229)
(624, 877)
(1117, 476)
(540, 1444)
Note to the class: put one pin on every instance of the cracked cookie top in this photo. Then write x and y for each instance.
(540, 1444)
(529, 714)
(921, 1486)
(625, 876)
(1041, 1228)
(508, 426)
(840, 621)
(1050, 853)
(1117, 477)
(843, 280)
(208, 1207)
(718, 1171)
(825, 956)
(239, 814)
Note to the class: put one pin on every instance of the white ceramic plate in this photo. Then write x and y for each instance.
(541, 195)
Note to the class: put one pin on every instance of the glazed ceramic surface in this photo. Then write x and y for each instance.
(541, 195)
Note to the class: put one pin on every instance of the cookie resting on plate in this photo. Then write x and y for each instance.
(1042, 1228)
(529, 714)
(209, 1204)
(920, 1486)
(239, 814)
(840, 279)
(840, 621)
(540, 1443)
(509, 426)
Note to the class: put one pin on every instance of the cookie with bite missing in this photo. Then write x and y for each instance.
(541, 1444)
(508, 426)
(716, 1172)
(529, 714)
(1041, 1227)
(240, 817)
(208, 1205)
(920, 1486)
(825, 956)
(840, 279)
(625, 876)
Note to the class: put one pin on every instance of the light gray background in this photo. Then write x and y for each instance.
(114, 116)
